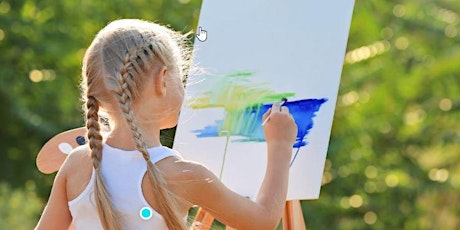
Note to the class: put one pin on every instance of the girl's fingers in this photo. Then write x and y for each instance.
(276, 106)
(284, 109)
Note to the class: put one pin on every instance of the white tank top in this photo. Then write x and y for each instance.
(123, 172)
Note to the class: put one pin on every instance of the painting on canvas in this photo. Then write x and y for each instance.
(258, 52)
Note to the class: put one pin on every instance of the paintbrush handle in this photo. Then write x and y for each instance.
(266, 120)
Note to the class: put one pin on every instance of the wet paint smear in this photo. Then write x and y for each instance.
(244, 103)
(247, 123)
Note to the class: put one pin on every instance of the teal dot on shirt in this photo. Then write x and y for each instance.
(146, 213)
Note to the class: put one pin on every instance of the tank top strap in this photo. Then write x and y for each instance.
(161, 152)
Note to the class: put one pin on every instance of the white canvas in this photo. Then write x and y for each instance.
(258, 48)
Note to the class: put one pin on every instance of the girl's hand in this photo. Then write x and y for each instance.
(281, 128)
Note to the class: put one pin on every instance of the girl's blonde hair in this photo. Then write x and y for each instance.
(114, 70)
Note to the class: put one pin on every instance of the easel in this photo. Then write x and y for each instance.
(292, 218)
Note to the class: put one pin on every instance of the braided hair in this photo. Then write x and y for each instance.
(114, 70)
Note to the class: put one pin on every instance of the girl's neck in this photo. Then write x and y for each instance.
(121, 136)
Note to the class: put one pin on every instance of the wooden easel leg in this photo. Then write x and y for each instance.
(203, 220)
(293, 216)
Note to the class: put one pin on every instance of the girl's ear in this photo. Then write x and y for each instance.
(160, 81)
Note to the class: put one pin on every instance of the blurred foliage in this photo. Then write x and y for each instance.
(18, 207)
(393, 160)
(42, 43)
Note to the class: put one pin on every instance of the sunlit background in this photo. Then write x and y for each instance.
(393, 161)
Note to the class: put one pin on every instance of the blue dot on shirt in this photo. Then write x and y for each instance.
(146, 213)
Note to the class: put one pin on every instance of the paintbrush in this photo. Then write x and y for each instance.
(283, 101)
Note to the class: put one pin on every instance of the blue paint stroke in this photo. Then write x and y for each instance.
(209, 130)
(248, 122)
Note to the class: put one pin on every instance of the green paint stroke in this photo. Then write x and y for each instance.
(235, 93)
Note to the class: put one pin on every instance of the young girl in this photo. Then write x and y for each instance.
(133, 72)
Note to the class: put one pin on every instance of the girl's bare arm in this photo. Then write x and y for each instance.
(206, 190)
(56, 214)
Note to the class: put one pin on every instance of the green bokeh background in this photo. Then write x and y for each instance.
(393, 160)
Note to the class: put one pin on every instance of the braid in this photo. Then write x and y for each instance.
(134, 64)
(93, 127)
(104, 205)
(114, 71)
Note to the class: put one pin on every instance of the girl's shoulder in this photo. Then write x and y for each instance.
(187, 179)
(178, 169)
(78, 158)
(77, 170)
